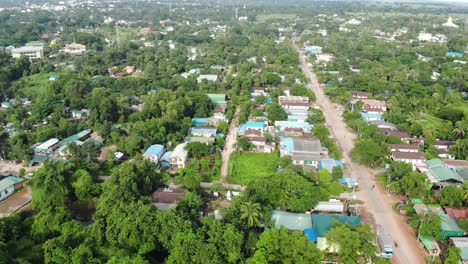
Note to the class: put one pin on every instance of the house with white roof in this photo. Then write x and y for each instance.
(179, 157)
(47, 147)
(208, 77)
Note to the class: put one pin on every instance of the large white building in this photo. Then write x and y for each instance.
(32, 52)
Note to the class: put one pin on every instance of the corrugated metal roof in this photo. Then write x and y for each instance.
(292, 221)
(154, 150)
(9, 181)
(323, 223)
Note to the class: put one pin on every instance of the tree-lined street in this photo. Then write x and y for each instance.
(374, 200)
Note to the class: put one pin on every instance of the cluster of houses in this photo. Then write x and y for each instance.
(316, 223)
(372, 109)
(55, 149)
(317, 51)
(449, 228)
(204, 130)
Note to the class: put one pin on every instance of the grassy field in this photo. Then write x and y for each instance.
(266, 17)
(428, 121)
(35, 84)
(245, 167)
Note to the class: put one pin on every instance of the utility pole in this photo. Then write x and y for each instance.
(117, 37)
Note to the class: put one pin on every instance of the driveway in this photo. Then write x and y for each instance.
(375, 201)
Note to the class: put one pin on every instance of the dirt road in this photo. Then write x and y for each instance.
(231, 140)
(374, 201)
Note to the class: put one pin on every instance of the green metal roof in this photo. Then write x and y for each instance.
(323, 223)
(83, 133)
(449, 224)
(442, 173)
(9, 181)
(217, 98)
(428, 242)
(463, 172)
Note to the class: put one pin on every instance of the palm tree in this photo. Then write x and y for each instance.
(460, 128)
(251, 212)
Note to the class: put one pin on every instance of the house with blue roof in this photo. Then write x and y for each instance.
(203, 131)
(329, 164)
(313, 49)
(371, 117)
(282, 125)
(154, 153)
(454, 54)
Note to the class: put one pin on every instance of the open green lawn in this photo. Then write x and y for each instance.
(428, 121)
(245, 167)
(266, 17)
(34, 85)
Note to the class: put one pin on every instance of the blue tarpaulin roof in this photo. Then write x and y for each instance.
(310, 233)
(328, 164)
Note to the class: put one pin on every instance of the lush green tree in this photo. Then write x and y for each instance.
(354, 243)
(278, 246)
(84, 186)
(335, 188)
(325, 176)
(367, 152)
(244, 144)
(429, 226)
(463, 223)
(398, 169)
(414, 184)
(49, 185)
(276, 112)
(451, 196)
(189, 206)
(321, 132)
(197, 149)
(337, 172)
(452, 255)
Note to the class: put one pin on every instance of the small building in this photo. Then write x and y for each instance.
(454, 54)
(359, 95)
(154, 153)
(9, 185)
(167, 198)
(313, 49)
(32, 52)
(348, 182)
(80, 114)
(220, 101)
(47, 147)
(179, 157)
(283, 125)
(383, 125)
(404, 148)
(439, 174)
(431, 245)
(325, 57)
(291, 221)
(371, 116)
(323, 223)
(6, 105)
(370, 105)
(203, 131)
(74, 49)
(332, 206)
(409, 157)
(208, 77)
(303, 151)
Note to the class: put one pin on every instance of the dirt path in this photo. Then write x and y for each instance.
(374, 201)
(231, 140)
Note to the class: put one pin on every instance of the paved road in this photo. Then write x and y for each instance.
(231, 140)
(374, 200)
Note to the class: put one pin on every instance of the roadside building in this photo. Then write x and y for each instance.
(329, 164)
(404, 148)
(430, 244)
(303, 151)
(450, 227)
(359, 95)
(412, 158)
(9, 185)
